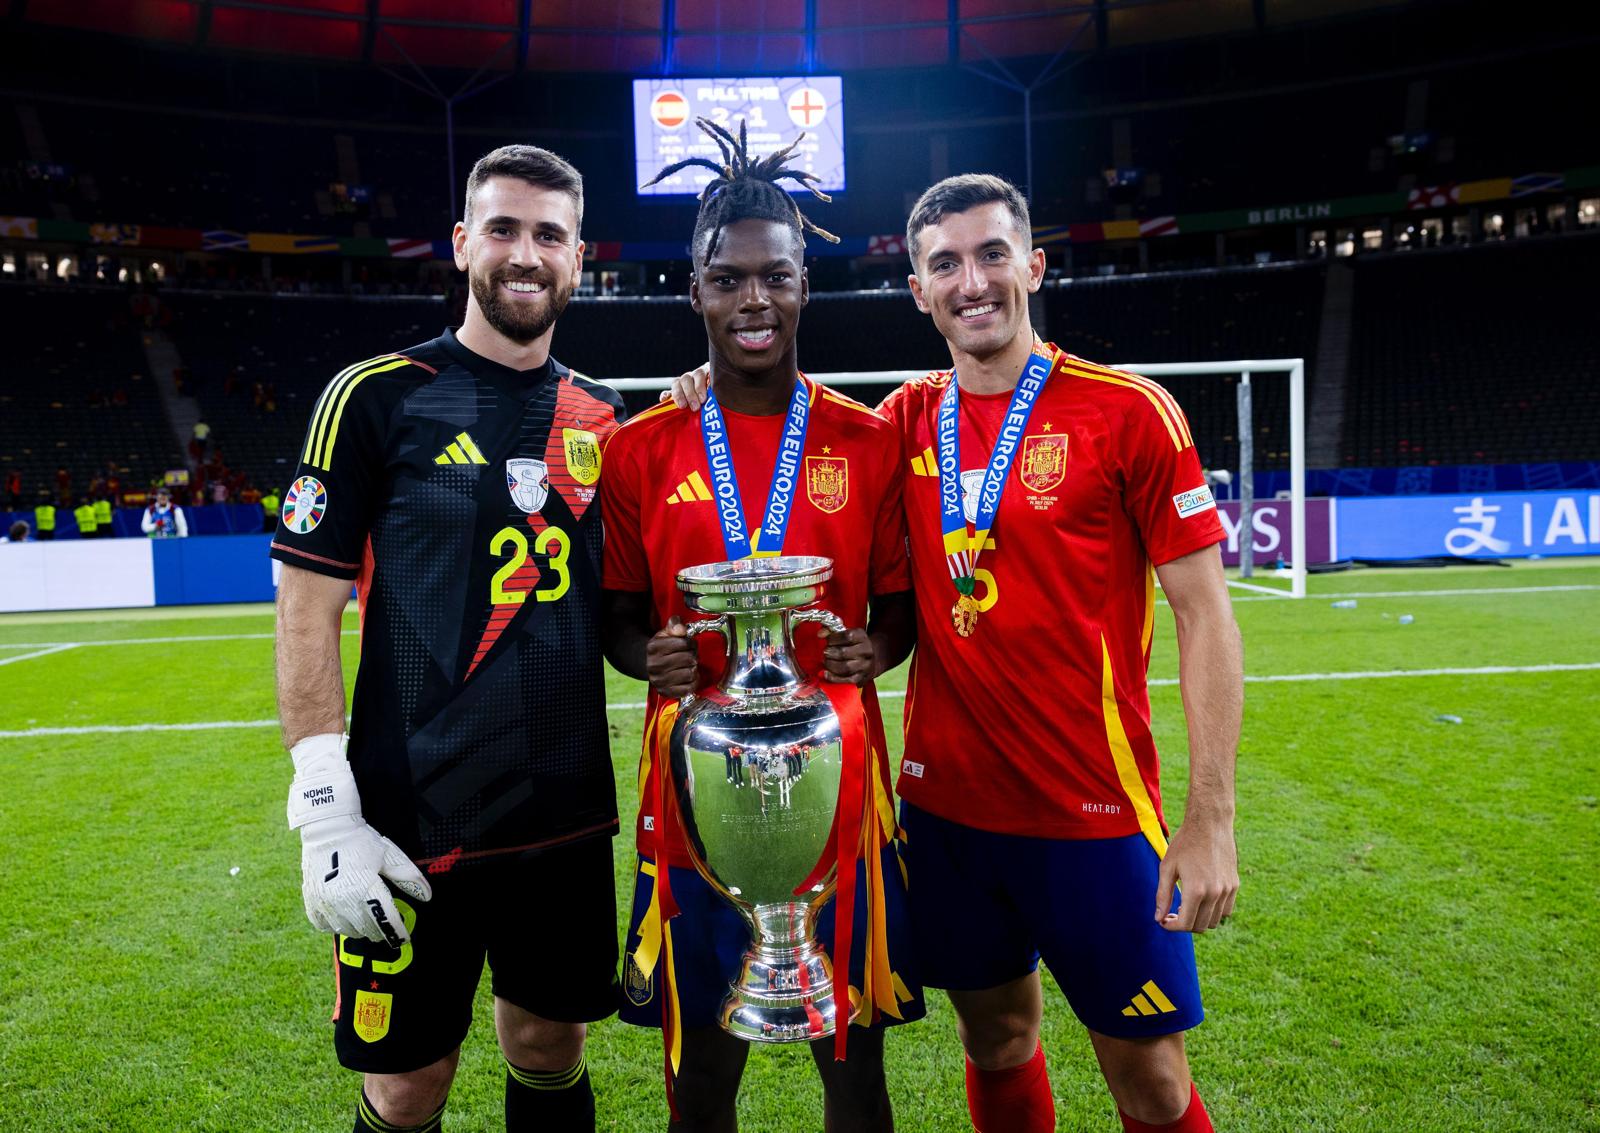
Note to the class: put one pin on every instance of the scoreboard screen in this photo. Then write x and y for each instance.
(775, 111)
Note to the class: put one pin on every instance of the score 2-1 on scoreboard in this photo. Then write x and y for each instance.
(775, 111)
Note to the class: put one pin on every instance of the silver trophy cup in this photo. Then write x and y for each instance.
(756, 765)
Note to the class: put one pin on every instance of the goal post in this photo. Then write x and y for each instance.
(1294, 369)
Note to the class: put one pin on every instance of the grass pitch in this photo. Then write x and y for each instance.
(1413, 949)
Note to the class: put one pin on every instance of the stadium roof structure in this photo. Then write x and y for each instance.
(668, 37)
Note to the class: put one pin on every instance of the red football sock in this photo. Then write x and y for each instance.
(1017, 1100)
(1194, 1119)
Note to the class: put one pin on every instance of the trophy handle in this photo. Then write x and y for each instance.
(827, 618)
(694, 630)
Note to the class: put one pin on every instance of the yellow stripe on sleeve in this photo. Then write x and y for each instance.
(325, 459)
(318, 412)
(1150, 386)
(1109, 379)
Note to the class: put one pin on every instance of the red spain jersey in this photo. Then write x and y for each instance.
(660, 518)
(1039, 723)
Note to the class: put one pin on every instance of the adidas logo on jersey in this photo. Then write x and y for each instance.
(925, 463)
(693, 488)
(1150, 1001)
(460, 451)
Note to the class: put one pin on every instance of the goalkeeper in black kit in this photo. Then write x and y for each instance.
(469, 813)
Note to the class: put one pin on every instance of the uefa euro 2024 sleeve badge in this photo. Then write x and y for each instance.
(304, 505)
(528, 481)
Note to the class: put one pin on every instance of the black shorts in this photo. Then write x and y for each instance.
(547, 924)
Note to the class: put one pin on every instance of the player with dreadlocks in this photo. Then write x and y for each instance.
(839, 495)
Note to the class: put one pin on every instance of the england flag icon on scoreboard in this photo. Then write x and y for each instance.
(807, 107)
(670, 109)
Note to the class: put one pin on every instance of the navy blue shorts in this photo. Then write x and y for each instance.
(709, 939)
(986, 907)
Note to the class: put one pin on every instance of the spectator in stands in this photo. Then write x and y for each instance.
(164, 519)
(18, 533)
(219, 490)
(14, 490)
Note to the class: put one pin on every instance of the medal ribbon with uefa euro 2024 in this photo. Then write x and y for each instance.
(963, 541)
(785, 477)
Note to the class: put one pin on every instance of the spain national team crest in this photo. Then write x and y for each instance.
(583, 455)
(528, 481)
(304, 505)
(1044, 461)
(828, 482)
(371, 1017)
(638, 986)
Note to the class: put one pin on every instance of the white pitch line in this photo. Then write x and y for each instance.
(1381, 674)
(887, 694)
(150, 640)
(1463, 592)
(58, 647)
(1331, 596)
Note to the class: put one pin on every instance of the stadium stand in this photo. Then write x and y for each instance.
(290, 347)
(1480, 356)
(77, 393)
(1266, 312)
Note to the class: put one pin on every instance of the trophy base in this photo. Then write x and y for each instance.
(783, 995)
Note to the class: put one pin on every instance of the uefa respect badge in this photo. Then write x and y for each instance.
(304, 505)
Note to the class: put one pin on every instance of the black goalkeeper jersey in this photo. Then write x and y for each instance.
(461, 498)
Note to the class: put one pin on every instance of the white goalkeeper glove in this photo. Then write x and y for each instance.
(343, 860)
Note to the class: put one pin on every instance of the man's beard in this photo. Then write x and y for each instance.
(520, 321)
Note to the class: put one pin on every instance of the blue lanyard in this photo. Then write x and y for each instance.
(785, 476)
(963, 544)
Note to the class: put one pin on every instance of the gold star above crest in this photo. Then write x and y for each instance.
(1047, 426)
(826, 449)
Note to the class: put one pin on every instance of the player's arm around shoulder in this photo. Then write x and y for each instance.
(1202, 857)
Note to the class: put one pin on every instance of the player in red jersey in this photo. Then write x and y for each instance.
(1045, 837)
(661, 516)
(1046, 494)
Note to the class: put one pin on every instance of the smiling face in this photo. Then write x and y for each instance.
(974, 274)
(750, 296)
(520, 249)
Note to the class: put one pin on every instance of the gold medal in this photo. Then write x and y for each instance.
(965, 615)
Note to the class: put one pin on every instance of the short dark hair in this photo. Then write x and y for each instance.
(19, 531)
(538, 167)
(956, 195)
(746, 188)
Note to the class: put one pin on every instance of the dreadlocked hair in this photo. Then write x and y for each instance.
(746, 190)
